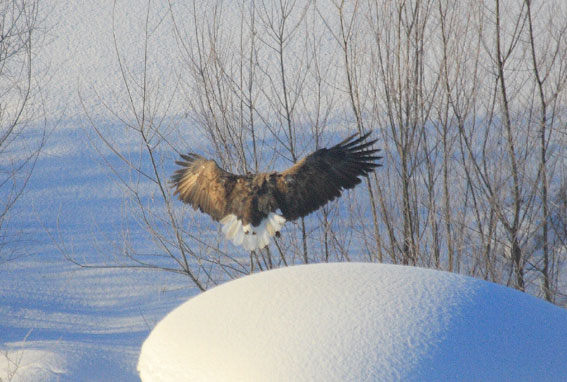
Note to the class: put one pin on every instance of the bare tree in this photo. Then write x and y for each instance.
(144, 120)
(547, 53)
(20, 146)
(346, 15)
(467, 97)
(282, 21)
(404, 93)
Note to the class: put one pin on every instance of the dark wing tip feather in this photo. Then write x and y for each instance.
(357, 150)
(354, 141)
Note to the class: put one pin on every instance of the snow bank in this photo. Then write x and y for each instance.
(358, 322)
(18, 363)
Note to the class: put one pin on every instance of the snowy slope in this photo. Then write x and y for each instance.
(358, 322)
(19, 365)
(80, 324)
(89, 324)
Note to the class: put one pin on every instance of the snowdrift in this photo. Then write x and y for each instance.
(358, 322)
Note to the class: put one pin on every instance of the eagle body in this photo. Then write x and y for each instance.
(253, 197)
(252, 208)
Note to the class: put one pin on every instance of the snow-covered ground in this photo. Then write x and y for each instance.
(60, 322)
(358, 322)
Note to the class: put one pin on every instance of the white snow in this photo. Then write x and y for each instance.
(358, 322)
(18, 364)
(88, 324)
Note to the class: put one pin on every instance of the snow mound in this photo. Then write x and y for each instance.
(19, 364)
(358, 322)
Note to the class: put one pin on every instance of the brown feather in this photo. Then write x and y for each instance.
(303, 188)
(322, 176)
(203, 184)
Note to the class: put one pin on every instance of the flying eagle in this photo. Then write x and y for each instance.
(247, 205)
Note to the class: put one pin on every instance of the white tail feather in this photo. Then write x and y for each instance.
(250, 237)
(233, 229)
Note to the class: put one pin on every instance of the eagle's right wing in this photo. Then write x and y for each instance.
(203, 184)
(323, 175)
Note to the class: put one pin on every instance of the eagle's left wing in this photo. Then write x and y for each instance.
(323, 175)
(203, 184)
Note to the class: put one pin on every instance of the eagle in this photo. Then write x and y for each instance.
(253, 208)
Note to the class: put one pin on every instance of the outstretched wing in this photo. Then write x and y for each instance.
(203, 184)
(323, 175)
